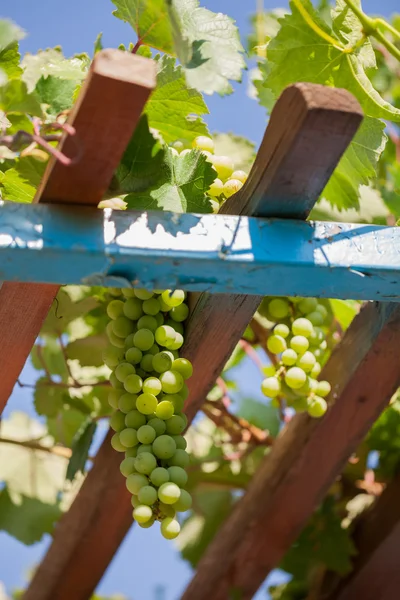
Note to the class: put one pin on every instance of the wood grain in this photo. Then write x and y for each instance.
(305, 459)
(105, 116)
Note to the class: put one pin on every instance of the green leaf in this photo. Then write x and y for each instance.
(64, 310)
(64, 427)
(56, 93)
(181, 188)
(149, 20)
(20, 183)
(9, 33)
(384, 437)
(51, 62)
(239, 149)
(14, 97)
(48, 399)
(265, 26)
(80, 448)
(261, 415)
(9, 61)
(173, 104)
(98, 44)
(345, 311)
(88, 350)
(27, 519)
(48, 354)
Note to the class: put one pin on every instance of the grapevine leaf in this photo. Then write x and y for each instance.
(240, 150)
(9, 61)
(64, 310)
(20, 183)
(48, 399)
(51, 62)
(98, 44)
(80, 448)
(9, 33)
(261, 415)
(57, 94)
(265, 25)
(384, 438)
(64, 427)
(27, 519)
(173, 103)
(88, 350)
(181, 188)
(344, 311)
(149, 20)
(14, 97)
(16, 122)
(48, 353)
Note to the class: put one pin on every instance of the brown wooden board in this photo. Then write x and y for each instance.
(105, 116)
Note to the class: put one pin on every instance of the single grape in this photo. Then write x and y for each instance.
(176, 326)
(144, 448)
(282, 330)
(117, 421)
(171, 381)
(122, 327)
(316, 370)
(113, 291)
(144, 339)
(145, 463)
(112, 356)
(142, 513)
(271, 387)
(152, 385)
(148, 523)
(216, 188)
(305, 389)
(159, 317)
(116, 444)
(307, 305)
(146, 404)
(177, 343)
(115, 309)
(176, 400)
(223, 165)
(123, 370)
(164, 307)
(180, 313)
(147, 322)
(183, 366)
(240, 175)
(289, 357)
(167, 510)
(159, 476)
(164, 447)
(299, 404)
(147, 495)
(276, 344)
(184, 392)
(128, 437)
(133, 355)
(175, 425)
(164, 410)
(323, 388)
(116, 384)
(143, 294)
(299, 344)
(232, 186)
(162, 362)
(129, 343)
(165, 335)
(135, 501)
(173, 298)
(131, 452)
(146, 364)
(179, 459)
(136, 481)
(306, 361)
(113, 397)
(279, 308)
(151, 306)
(303, 327)
(170, 528)
(133, 309)
(184, 502)
(269, 370)
(127, 402)
(295, 377)
(180, 442)
(169, 493)
(317, 407)
(322, 310)
(158, 425)
(317, 337)
(316, 318)
(202, 142)
(133, 384)
(127, 467)
(146, 434)
(178, 475)
(116, 341)
(128, 292)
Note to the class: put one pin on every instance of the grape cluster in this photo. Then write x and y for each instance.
(148, 394)
(228, 181)
(298, 341)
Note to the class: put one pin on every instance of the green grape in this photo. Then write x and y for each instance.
(164, 307)
(184, 502)
(116, 341)
(317, 337)
(166, 510)
(316, 370)
(127, 403)
(134, 419)
(140, 372)
(146, 434)
(216, 188)
(316, 318)
(317, 407)
(143, 294)
(117, 421)
(176, 400)
(151, 306)
(164, 410)
(164, 447)
(131, 452)
(323, 345)
(113, 397)
(115, 309)
(133, 309)
(170, 528)
(147, 495)
(173, 298)
(158, 425)
(306, 361)
(165, 335)
(148, 523)
(146, 404)
(154, 350)
(282, 330)
(144, 339)
(169, 493)
(127, 467)
(179, 459)
(214, 205)
(279, 308)
(183, 366)
(303, 327)
(152, 385)
(159, 476)
(142, 513)
(184, 392)
(147, 363)
(136, 481)
(232, 186)
(113, 291)
(295, 377)
(177, 327)
(323, 388)
(223, 165)
(240, 175)
(135, 501)
(178, 343)
(147, 322)
(269, 370)
(180, 313)
(162, 362)
(116, 444)
(159, 317)
(123, 370)
(122, 327)
(178, 475)
(145, 463)
(112, 356)
(175, 425)
(129, 341)
(271, 387)
(144, 448)
(202, 142)
(171, 381)
(128, 292)
(180, 442)
(133, 355)
(183, 417)
(307, 305)
(299, 344)
(133, 384)
(289, 357)
(305, 389)
(322, 310)
(300, 404)
(276, 344)
(117, 385)
(128, 437)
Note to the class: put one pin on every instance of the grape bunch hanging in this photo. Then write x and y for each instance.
(298, 342)
(148, 393)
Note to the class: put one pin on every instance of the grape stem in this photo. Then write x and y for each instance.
(137, 46)
(34, 445)
(238, 428)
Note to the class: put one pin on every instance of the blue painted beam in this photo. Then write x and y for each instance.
(214, 253)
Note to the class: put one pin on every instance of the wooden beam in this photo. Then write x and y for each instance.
(115, 93)
(214, 253)
(305, 459)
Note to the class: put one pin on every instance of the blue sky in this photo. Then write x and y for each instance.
(74, 25)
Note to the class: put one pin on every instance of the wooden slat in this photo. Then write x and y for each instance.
(104, 117)
(305, 459)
